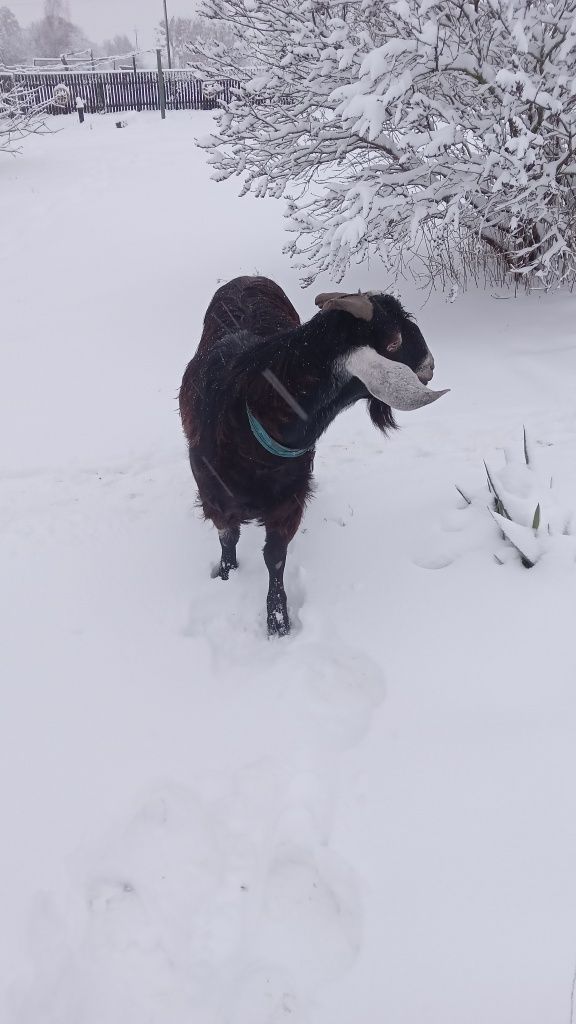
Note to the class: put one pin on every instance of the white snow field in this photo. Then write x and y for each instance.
(372, 821)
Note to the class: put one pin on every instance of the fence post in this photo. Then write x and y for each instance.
(136, 85)
(161, 85)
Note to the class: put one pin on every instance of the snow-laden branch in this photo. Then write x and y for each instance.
(20, 115)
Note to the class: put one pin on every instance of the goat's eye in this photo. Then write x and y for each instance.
(394, 343)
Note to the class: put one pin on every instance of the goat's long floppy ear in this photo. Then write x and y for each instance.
(358, 305)
(393, 383)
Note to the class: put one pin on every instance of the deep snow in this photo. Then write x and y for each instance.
(373, 820)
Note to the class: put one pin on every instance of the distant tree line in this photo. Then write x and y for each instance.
(53, 35)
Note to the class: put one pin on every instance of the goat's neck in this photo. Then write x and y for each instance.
(305, 386)
(318, 409)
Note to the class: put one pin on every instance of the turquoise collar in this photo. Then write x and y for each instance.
(269, 444)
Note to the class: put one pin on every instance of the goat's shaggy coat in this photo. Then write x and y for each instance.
(252, 341)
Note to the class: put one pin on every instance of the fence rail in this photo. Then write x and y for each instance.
(115, 91)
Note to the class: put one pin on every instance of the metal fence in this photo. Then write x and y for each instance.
(114, 91)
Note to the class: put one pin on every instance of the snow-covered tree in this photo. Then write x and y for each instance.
(440, 131)
(55, 34)
(115, 47)
(12, 48)
(184, 31)
(20, 115)
(181, 30)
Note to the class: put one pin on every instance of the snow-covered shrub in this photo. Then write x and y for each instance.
(20, 115)
(442, 131)
(521, 500)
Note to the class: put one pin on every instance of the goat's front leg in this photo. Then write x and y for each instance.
(229, 538)
(275, 550)
(280, 529)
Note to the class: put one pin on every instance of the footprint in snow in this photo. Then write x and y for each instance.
(310, 916)
(152, 924)
(264, 995)
(308, 932)
(328, 693)
(455, 537)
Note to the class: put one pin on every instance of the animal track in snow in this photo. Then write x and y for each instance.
(264, 995)
(310, 921)
(436, 560)
(455, 537)
(223, 904)
(329, 696)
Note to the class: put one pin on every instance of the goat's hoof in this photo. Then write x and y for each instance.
(222, 572)
(278, 623)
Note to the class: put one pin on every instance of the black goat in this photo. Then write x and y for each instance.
(263, 387)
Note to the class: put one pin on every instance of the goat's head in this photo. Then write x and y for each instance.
(392, 359)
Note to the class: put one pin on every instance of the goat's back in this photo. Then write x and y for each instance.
(254, 304)
(241, 311)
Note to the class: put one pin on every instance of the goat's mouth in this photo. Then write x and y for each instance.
(425, 376)
(425, 371)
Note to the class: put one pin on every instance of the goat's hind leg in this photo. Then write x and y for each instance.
(229, 538)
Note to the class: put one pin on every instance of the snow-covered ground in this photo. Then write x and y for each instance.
(371, 821)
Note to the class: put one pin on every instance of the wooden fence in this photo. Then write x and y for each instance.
(115, 91)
